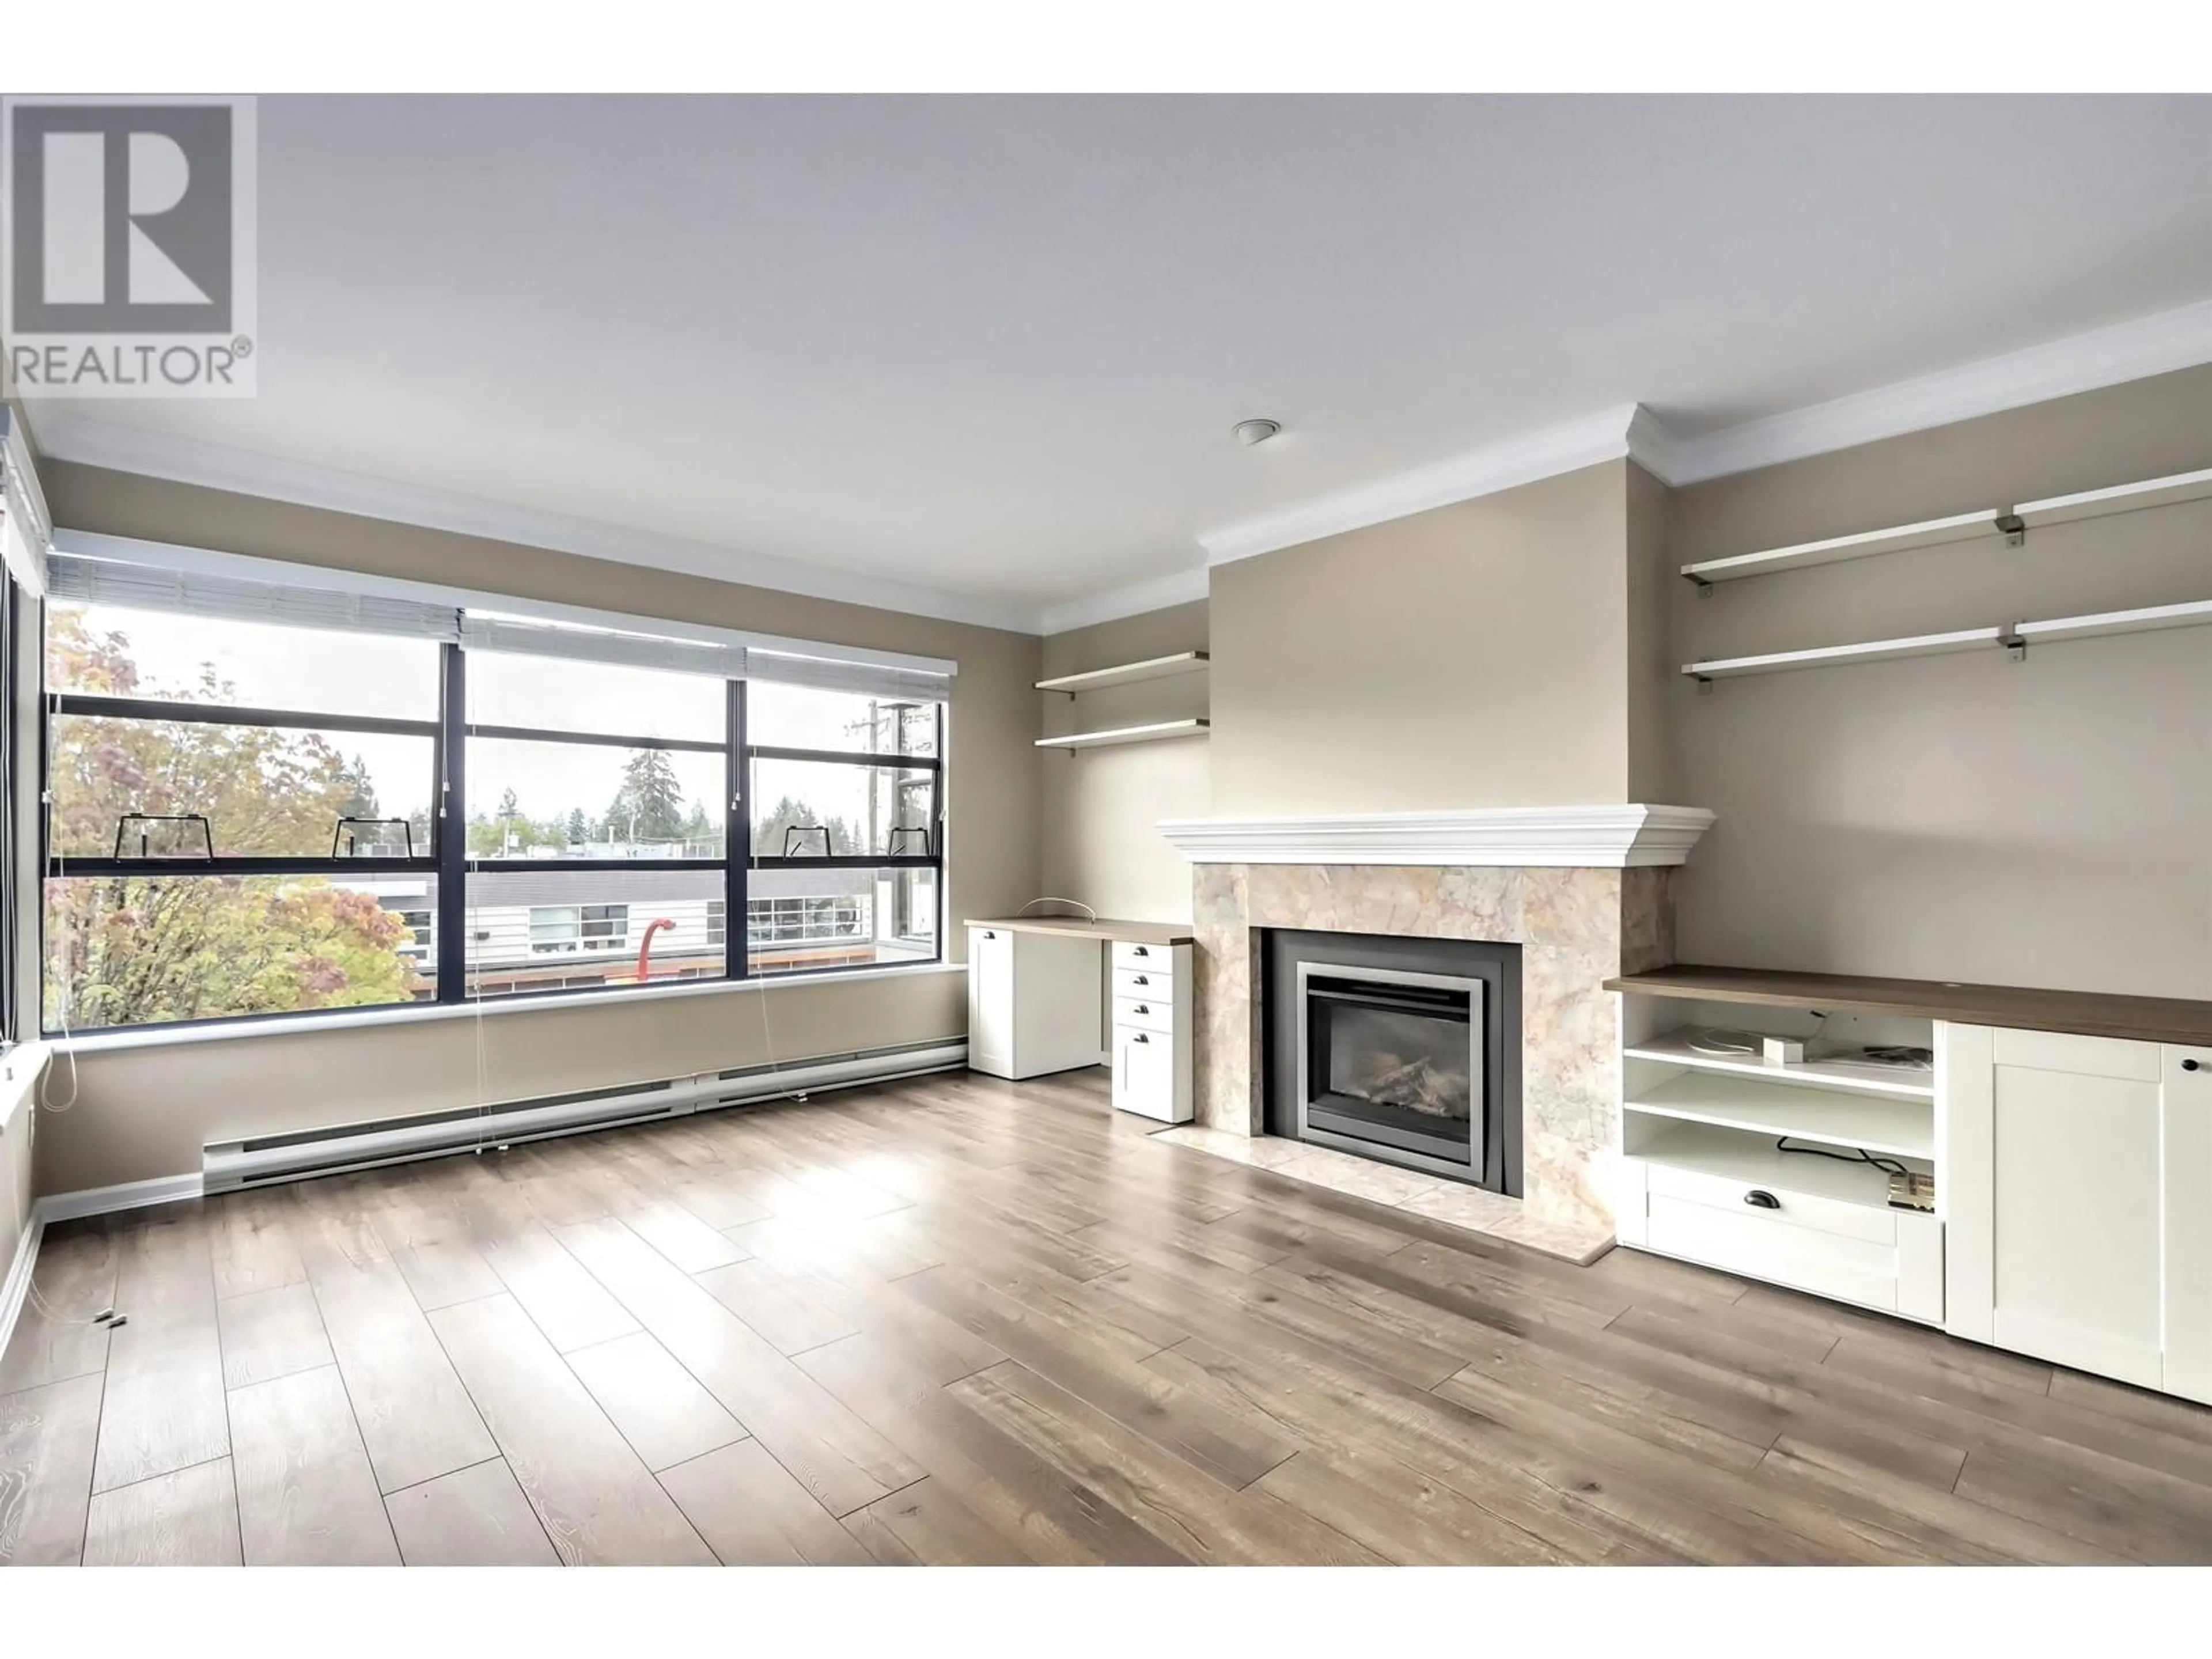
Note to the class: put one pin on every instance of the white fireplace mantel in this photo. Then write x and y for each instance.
(1590, 837)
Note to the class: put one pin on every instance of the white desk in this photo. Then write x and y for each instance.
(1037, 990)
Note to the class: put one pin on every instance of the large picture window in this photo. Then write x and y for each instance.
(255, 818)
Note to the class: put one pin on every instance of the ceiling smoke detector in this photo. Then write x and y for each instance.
(1255, 431)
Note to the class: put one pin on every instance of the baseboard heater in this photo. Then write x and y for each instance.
(265, 1160)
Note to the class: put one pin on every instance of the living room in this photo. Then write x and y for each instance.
(1120, 830)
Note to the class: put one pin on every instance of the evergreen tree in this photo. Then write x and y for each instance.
(769, 833)
(580, 831)
(649, 806)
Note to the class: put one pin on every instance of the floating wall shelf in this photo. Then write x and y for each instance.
(1959, 527)
(1127, 673)
(1931, 533)
(2120, 498)
(2195, 613)
(1154, 732)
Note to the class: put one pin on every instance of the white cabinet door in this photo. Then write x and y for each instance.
(991, 1001)
(2061, 1157)
(1144, 1073)
(2075, 1258)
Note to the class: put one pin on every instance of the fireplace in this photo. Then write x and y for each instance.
(1403, 1051)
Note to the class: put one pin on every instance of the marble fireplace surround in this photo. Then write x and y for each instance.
(1587, 893)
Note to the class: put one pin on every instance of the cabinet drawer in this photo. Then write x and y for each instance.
(1144, 983)
(1753, 1242)
(1143, 1013)
(1819, 1215)
(1160, 956)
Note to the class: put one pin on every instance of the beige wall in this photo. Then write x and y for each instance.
(2044, 823)
(1468, 656)
(1650, 667)
(1102, 806)
(146, 1113)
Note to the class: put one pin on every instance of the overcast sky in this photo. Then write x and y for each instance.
(274, 667)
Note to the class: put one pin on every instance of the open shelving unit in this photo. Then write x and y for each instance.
(1703, 1175)
(1173, 665)
(1129, 673)
(1152, 732)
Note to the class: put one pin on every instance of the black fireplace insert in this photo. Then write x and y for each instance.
(1406, 1050)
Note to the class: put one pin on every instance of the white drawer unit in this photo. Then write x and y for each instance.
(1151, 1048)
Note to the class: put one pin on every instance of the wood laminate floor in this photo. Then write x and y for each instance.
(960, 1320)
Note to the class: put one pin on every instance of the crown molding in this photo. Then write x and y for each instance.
(1181, 588)
(217, 466)
(1582, 837)
(1525, 459)
(2132, 351)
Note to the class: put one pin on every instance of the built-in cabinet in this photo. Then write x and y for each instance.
(2082, 1202)
(2072, 1171)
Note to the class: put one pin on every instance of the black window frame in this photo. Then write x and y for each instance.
(446, 860)
(894, 759)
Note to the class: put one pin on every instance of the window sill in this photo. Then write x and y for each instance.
(165, 1036)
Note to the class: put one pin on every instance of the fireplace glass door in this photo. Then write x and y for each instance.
(1392, 1059)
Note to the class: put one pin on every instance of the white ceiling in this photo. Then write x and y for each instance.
(989, 350)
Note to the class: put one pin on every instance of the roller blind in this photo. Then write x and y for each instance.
(25, 534)
(309, 604)
(602, 645)
(150, 588)
(735, 662)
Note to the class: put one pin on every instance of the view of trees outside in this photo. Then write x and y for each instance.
(194, 944)
(140, 949)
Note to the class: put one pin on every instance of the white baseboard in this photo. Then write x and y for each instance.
(128, 1195)
(17, 1289)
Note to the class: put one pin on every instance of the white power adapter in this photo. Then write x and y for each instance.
(1784, 1051)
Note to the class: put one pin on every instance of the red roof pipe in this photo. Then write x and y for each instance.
(645, 946)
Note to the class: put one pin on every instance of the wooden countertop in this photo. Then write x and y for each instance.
(2093, 1013)
(1136, 933)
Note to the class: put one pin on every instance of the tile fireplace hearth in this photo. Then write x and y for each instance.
(1584, 893)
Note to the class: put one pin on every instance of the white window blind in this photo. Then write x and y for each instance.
(688, 656)
(150, 588)
(25, 534)
(828, 674)
(318, 599)
(602, 645)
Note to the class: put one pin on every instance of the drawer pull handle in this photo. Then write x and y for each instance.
(1140, 1037)
(2192, 1066)
(1141, 979)
(1143, 1008)
(1759, 1200)
(987, 934)
(1138, 951)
